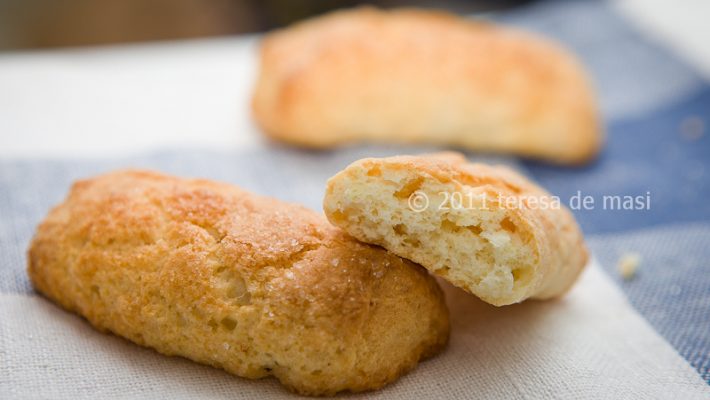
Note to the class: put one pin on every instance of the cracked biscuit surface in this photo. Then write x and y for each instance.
(237, 281)
(416, 76)
(483, 228)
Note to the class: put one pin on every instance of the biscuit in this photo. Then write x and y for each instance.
(237, 281)
(413, 76)
(485, 229)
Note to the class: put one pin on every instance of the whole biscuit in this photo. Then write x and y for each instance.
(414, 76)
(246, 283)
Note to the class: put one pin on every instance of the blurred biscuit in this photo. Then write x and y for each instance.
(485, 229)
(246, 283)
(413, 76)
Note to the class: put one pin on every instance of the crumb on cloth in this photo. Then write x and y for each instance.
(628, 264)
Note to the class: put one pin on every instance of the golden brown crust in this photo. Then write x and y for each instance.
(549, 242)
(424, 77)
(246, 283)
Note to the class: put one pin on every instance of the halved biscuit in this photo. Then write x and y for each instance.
(484, 228)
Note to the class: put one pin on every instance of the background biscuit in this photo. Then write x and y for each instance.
(413, 76)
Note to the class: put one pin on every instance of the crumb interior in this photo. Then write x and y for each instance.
(471, 241)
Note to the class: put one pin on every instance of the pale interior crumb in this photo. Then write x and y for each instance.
(481, 250)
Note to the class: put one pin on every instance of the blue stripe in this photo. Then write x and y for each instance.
(647, 153)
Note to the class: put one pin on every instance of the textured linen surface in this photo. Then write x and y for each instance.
(643, 338)
(590, 344)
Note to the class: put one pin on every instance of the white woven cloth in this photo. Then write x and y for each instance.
(591, 344)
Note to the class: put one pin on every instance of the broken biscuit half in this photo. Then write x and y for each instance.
(486, 229)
